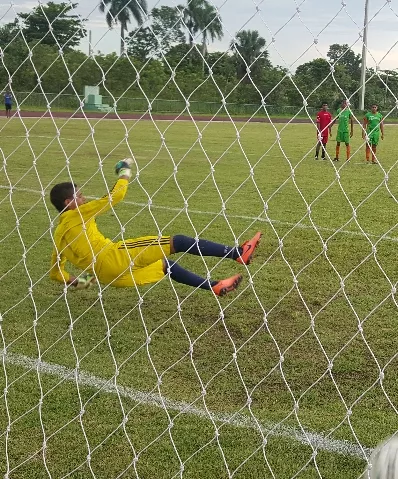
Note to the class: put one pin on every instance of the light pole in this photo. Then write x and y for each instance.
(364, 51)
(90, 48)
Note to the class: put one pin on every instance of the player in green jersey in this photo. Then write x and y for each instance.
(372, 127)
(344, 118)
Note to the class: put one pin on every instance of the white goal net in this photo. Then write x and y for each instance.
(221, 105)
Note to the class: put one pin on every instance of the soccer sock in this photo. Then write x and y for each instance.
(374, 147)
(323, 151)
(337, 151)
(348, 151)
(181, 275)
(203, 247)
(367, 152)
(317, 150)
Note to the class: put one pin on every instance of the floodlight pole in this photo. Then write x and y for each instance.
(364, 51)
(90, 48)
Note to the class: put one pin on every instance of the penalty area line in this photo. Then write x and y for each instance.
(261, 219)
(318, 441)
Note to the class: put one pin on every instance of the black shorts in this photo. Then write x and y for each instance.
(8, 106)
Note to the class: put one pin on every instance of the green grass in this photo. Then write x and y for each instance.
(310, 323)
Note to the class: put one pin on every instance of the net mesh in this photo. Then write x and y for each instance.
(293, 375)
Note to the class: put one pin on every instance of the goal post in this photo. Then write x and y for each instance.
(235, 119)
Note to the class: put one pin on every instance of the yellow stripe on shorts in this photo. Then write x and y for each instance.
(138, 244)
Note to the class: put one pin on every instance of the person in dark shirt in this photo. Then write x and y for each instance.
(8, 103)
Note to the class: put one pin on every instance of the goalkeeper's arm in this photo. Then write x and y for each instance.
(59, 273)
(96, 207)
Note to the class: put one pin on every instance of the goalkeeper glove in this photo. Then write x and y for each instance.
(123, 167)
(85, 281)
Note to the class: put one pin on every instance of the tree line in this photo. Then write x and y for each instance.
(167, 57)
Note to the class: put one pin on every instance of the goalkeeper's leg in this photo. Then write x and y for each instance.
(149, 249)
(242, 254)
(149, 261)
(181, 275)
(156, 271)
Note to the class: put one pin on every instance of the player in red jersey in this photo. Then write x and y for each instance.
(324, 128)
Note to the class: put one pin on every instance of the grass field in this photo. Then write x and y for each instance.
(312, 327)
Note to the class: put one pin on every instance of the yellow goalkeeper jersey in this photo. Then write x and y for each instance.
(77, 238)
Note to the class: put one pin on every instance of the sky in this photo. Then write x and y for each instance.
(296, 30)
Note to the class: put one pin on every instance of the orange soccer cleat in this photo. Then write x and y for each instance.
(248, 248)
(227, 285)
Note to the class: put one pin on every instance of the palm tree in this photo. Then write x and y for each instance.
(192, 17)
(211, 26)
(201, 16)
(120, 11)
(249, 52)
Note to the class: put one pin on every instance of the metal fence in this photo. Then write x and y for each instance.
(55, 101)
(36, 100)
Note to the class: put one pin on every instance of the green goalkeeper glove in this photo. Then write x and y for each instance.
(85, 281)
(123, 167)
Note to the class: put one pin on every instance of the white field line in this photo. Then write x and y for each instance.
(317, 440)
(180, 120)
(123, 120)
(242, 217)
(276, 121)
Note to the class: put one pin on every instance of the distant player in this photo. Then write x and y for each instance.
(344, 119)
(324, 128)
(8, 103)
(373, 126)
(132, 262)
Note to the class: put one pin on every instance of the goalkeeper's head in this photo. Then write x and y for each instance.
(66, 196)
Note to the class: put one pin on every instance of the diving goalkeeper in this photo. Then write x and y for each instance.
(132, 262)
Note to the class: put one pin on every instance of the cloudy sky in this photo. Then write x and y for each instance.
(293, 24)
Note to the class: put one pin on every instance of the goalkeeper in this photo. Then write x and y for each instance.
(132, 262)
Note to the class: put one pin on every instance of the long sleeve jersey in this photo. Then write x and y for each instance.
(77, 238)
